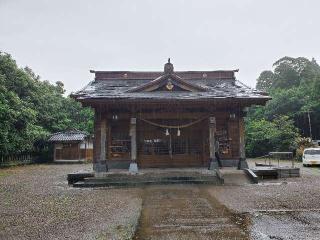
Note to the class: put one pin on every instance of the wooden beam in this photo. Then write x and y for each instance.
(186, 114)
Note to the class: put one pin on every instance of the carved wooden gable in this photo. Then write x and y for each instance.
(168, 82)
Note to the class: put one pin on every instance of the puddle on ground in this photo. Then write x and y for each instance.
(271, 183)
(187, 212)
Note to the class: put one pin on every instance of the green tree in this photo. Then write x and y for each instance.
(295, 92)
(265, 81)
(263, 136)
(31, 109)
(291, 72)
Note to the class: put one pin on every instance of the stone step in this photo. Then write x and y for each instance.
(79, 176)
(135, 178)
(276, 172)
(107, 183)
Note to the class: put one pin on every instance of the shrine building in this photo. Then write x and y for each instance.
(168, 119)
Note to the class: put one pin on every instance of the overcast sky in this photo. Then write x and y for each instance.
(62, 39)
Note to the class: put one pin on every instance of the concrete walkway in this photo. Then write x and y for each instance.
(187, 212)
(234, 177)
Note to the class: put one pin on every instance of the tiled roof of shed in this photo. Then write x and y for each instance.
(68, 136)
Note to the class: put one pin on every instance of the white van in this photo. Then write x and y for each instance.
(316, 142)
(311, 156)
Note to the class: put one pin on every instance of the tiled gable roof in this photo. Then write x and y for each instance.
(73, 135)
(115, 89)
(123, 85)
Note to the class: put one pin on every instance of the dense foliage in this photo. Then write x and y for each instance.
(264, 136)
(31, 109)
(294, 85)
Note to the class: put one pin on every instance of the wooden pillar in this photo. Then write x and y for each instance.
(99, 143)
(212, 150)
(133, 133)
(96, 142)
(54, 152)
(79, 151)
(103, 139)
(212, 126)
(242, 150)
(85, 150)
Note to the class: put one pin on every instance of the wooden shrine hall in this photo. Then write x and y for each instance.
(168, 119)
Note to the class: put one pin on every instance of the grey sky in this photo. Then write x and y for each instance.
(62, 40)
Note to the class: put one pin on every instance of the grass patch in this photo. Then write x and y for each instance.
(14, 164)
(4, 174)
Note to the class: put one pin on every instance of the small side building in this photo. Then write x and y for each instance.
(72, 146)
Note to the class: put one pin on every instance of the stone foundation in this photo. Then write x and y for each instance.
(100, 167)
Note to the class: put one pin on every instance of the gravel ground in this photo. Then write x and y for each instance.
(279, 209)
(37, 203)
(284, 193)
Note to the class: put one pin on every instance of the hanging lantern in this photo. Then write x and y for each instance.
(232, 115)
(178, 132)
(167, 132)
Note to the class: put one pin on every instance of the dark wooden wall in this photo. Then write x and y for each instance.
(188, 149)
(72, 151)
(118, 141)
(69, 151)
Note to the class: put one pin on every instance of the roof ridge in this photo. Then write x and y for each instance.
(70, 131)
(180, 71)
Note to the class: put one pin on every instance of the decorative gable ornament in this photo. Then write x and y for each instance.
(168, 67)
(169, 85)
(169, 81)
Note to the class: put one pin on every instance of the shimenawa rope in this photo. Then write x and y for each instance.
(172, 126)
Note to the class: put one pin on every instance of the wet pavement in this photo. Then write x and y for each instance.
(234, 177)
(187, 212)
(283, 209)
(286, 225)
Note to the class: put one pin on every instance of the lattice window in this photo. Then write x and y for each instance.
(120, 142)
(154, 141)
